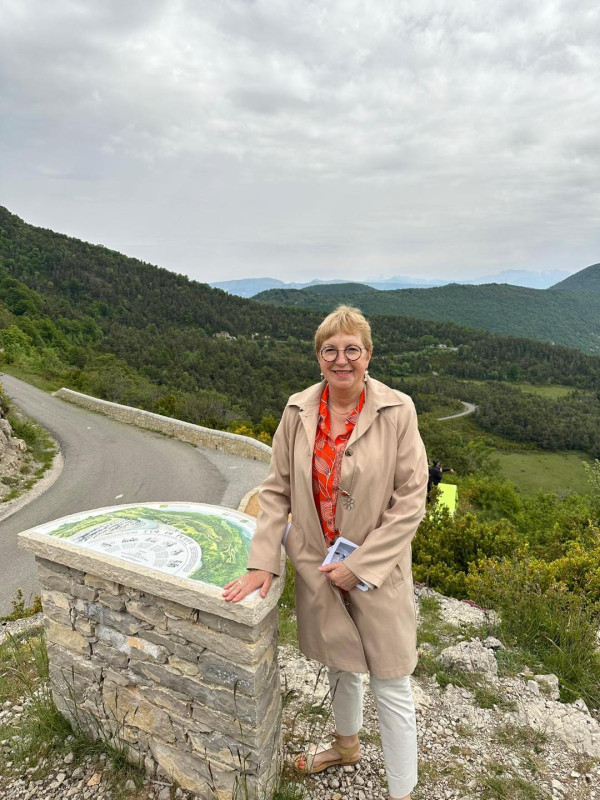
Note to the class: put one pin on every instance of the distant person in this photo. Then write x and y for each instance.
(348, 460)
(436, 473)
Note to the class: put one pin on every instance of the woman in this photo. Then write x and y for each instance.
(348, 460)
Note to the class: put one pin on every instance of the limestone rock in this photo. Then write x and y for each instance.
(470, 656)
(549, 685)
(493, 644)
(5, 431)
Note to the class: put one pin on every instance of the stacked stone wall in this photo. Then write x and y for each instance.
(191, 695)
(186, 431)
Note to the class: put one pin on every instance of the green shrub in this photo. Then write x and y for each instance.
(20, 610)
(593, 473)
(38, 441)
(288, 632)
(446, 546)
(555, 624)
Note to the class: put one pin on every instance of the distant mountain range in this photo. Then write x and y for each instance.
(567, 313)
(248, 287)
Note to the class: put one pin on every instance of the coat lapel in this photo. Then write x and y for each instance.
(307, 403)
(377, 396)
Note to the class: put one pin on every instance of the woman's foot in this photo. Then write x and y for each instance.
(344, 750)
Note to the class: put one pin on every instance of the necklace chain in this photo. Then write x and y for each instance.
(352, 407)
(341, 413)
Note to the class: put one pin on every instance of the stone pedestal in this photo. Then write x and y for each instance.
(161, 663)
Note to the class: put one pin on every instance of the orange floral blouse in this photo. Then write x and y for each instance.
(327, 464)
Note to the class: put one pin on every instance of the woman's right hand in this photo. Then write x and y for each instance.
(239, 588)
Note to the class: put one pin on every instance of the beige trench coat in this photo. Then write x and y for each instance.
(385, 471)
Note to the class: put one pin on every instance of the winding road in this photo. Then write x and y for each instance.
(109, 463)
(469, 409)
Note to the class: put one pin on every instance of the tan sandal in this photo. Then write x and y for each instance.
(303, 763)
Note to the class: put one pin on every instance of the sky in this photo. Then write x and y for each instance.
(356, 139)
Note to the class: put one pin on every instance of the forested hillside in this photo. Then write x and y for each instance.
(570, 317)
(100, 322)
(586, 280)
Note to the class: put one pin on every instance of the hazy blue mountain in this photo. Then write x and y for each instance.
(248, 287)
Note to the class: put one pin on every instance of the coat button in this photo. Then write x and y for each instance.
(348, 452)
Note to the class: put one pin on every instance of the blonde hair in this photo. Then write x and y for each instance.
(345, 319)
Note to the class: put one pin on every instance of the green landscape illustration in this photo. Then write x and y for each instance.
(215, 544)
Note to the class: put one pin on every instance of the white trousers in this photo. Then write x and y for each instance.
(397, 722)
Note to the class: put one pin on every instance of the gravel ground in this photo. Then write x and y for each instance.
(466, 752)
(461, 753)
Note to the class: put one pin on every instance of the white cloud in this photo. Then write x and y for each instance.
(385, 136)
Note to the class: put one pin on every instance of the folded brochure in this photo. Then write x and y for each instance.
(340, 550)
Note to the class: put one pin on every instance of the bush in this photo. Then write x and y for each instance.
(593, 472)
(446, 547)
(556, 625)
(20, 610)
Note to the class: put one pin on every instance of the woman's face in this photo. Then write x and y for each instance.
(343, 374)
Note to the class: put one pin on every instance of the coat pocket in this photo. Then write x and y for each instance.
(396, 576)
(292, 541)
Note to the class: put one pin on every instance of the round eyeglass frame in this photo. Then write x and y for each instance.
(343, 350)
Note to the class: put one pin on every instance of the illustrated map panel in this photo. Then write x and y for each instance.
(191, 540)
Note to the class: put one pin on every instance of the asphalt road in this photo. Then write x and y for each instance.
(469, 409)
(109, 463)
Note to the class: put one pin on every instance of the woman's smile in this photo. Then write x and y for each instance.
(342, 373)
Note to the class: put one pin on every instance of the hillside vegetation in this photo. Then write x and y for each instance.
(115, 327)
(570, 316)
(586, 280)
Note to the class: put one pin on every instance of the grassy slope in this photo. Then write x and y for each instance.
(527, 467)
(533, 470)
(551, 391)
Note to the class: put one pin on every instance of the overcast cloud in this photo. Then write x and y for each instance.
(230, 138)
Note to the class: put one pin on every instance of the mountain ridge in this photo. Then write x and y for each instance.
(558, 316)
(586, 280)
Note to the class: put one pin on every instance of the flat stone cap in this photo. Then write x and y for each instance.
(183, 552)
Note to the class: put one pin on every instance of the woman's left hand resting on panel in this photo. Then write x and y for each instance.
(236, 590)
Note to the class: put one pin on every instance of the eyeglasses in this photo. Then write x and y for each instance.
(352, 352)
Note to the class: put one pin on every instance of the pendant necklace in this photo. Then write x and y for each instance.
(348, 502)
